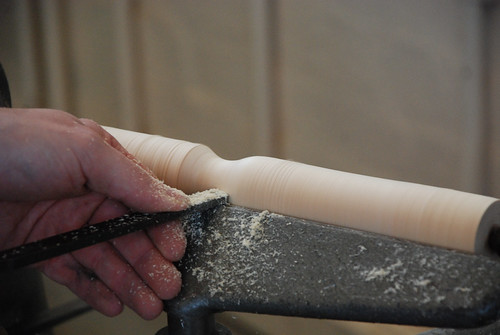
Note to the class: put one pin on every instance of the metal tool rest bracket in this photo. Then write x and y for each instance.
(258, 262)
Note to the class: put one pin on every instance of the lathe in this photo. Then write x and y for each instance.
(304, 241)
(389, 252)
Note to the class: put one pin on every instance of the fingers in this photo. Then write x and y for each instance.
(170, 239)
(157, 271)
(150, 264)
(84, 175)
(132, 271)
(163, 244)
(121, 278)
(108, 138)
(66, 271)
(111, 170)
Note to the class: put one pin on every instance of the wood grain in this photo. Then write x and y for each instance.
(426, 214)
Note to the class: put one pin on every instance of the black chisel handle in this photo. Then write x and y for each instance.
(57, 245)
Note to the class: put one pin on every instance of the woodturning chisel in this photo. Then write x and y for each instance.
(57, 245)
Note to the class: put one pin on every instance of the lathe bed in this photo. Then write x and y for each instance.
(259, 262)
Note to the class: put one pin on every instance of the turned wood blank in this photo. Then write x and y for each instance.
(426, 214)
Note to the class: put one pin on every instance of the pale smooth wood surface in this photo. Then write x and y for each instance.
(426, 214)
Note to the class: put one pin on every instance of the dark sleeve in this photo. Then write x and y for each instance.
(4, 90)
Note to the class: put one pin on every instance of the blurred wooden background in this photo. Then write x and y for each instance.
(399, 89)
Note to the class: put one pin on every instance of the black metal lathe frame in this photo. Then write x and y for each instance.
(258, 262)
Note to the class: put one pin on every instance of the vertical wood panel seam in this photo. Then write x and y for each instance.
(55, 71)
(136, 15)
(133, 113)
(266, 61)
(38, 54)
(276, 80)
(29, 70)
(486, 154)
(260, 59)
(472, 90)
(66, 57)
(125, 90)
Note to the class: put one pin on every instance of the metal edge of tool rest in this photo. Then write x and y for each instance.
(258, 262)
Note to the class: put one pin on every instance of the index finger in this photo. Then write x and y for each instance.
(111, 170)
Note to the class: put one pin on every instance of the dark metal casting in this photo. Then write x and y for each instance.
(258, 262)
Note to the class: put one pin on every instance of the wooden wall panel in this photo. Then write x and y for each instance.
(387, 88)
(199, 73)
(53, 54)
(383, 88)
(91, 60)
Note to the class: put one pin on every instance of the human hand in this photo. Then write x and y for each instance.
(59, 173)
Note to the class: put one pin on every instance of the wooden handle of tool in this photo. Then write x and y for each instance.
(431, 215)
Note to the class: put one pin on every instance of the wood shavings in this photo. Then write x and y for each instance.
(248, 236)
(379, 273)
(204, 196)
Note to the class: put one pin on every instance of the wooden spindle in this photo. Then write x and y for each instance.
(426, 214)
